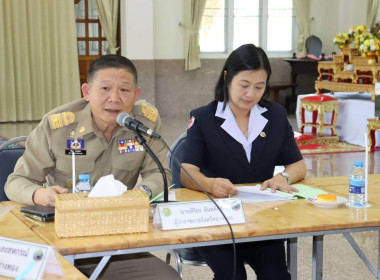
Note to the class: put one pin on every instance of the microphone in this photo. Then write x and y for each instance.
(124, 119)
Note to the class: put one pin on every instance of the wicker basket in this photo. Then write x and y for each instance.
(80, 215)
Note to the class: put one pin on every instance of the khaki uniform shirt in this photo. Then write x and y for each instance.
(46, 161)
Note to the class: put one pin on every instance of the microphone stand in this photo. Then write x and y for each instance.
(142, 141)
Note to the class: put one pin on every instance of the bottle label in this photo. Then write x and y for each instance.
(357, 186)
(82, 187)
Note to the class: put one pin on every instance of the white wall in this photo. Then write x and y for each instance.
(137, 33)
(335, 16)
(169, 36)
(150, 28)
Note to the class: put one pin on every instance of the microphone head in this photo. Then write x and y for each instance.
(121, 118)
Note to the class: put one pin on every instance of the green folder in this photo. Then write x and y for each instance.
(304, 192)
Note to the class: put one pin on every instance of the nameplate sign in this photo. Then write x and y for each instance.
(26, 260)
(204, 213)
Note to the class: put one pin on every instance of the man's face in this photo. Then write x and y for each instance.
(111, 92)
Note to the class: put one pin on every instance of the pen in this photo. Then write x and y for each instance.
(159, 195)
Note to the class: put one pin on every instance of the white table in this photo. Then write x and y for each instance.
(354, 110)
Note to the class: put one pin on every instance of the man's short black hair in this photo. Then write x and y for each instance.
(111, 61)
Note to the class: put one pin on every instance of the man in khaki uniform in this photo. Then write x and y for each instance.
(88, 126)
(47, 160)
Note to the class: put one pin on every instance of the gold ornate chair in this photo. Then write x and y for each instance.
(319, 104)
(372, 126)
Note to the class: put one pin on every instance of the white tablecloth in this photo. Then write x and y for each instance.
(354, 110)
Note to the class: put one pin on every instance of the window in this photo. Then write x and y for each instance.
(91, 40)
(90, 37)
(227, 24)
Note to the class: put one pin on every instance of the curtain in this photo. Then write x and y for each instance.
(38, 58)
(108, 15)
(373, 6)
(193, 16)
(302, 11)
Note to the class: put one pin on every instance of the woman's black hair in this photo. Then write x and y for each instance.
(245, 57)
(111, 61)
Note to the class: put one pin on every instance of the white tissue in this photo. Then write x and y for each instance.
(108, 186)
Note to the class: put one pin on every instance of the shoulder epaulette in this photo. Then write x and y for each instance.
(149, 111)
(61, 119)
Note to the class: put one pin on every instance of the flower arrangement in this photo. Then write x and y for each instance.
(367, 43)
(342, 39)
(358, 30)
(360, 35)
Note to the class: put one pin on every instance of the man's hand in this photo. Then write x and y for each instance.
(46, 196)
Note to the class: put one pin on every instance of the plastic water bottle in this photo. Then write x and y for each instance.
(357, 186)
(84, 184)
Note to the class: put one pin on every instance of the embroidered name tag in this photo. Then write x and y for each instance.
(76, 152)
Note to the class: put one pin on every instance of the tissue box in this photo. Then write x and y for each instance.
(76, 214)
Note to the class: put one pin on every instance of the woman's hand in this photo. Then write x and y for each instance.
(218, 187)
(221, 188)
(278, 182)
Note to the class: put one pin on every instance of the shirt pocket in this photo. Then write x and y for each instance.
(128, 161)
(82, 165)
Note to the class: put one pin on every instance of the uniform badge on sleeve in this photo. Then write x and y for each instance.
(149, 112)
(61, 119)
(191, 122)
(130, 146)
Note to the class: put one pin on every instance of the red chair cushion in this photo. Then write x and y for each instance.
(304, 137)
(318, 98)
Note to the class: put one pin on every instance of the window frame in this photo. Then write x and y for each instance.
(229, 26)
(87, 39)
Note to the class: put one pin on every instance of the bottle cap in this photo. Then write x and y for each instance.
(84, 176)
(358, 163)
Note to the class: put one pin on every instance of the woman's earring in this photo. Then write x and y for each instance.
(225, 74)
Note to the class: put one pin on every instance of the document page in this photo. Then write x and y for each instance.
(252, 194)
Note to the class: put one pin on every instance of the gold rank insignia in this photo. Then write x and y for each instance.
(263, 134)
(61, 119)
(72, 133)
(82, 129)
(149, 112)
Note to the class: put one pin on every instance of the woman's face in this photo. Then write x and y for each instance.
(246, 89)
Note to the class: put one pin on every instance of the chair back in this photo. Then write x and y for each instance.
(313, 45)
(183, 255)
(10, 152)
(175, 159)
